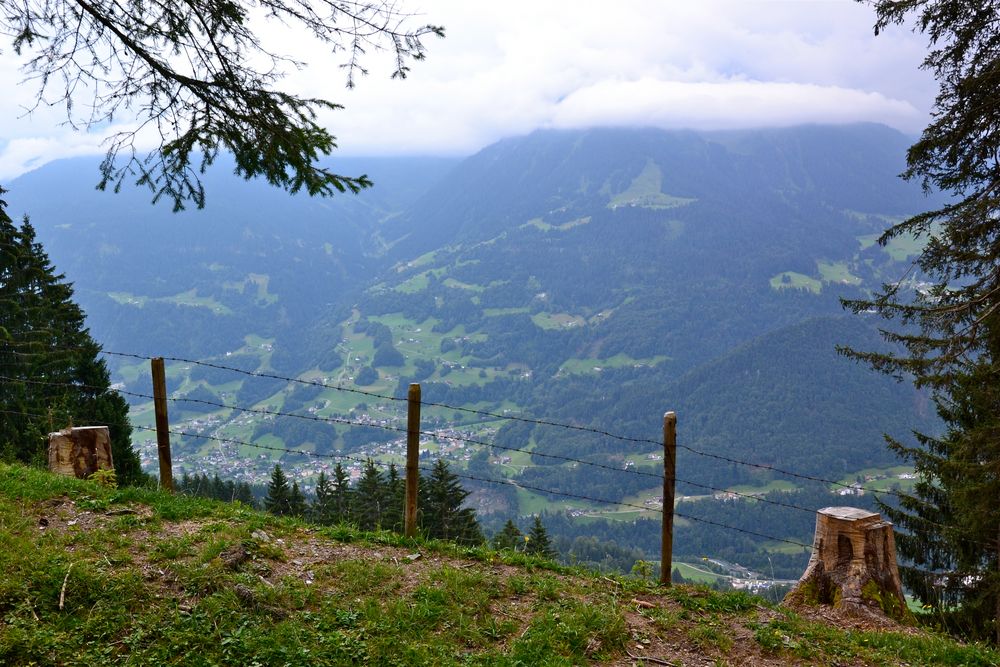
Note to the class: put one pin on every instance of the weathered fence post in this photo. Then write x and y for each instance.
(853, 566)
(412, 458)
(669, 472)
(162, 423)
(80, 451)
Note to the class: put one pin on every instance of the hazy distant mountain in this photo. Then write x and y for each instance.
(598, 277)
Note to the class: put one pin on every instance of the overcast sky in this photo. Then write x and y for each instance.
(507, 68)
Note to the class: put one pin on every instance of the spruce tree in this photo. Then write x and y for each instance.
(245, 495)
(50, 371)
(322, 510)
(395, 499)
(342, 495)
(538, 543)
(509, 538)
(443, 516)
(278, 496)
(296, 501)
(948, 330)
(369, 498)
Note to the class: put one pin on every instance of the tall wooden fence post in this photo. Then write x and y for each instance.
(669, 472)
(412, 458)
(162, 424)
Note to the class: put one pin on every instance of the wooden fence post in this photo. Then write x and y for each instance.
(162, 424)
(412, 459)
(669, 472)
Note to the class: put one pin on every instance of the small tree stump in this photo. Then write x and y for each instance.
(853, 566)
(80, 451)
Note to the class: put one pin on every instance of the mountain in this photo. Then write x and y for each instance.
(195, 283)
(596, 278)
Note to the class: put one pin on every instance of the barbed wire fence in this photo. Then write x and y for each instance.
(413, 434)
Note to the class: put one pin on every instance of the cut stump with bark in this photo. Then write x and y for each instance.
(80, 451)
(853, 567)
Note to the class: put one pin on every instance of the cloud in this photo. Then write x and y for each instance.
(725, 105)
(508, 68)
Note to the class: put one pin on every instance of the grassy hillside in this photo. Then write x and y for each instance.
(100, 576)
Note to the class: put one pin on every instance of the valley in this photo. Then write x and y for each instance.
(593, 278)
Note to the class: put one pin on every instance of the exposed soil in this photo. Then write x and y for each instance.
(301, 553)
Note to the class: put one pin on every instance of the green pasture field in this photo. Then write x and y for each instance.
(496, 312)
(697, 574)
(645, 191)
(557, 320)
(836, 272)
(899, 249)
(539, 223)
(796, 281)
(773, 485)
(458, 284)
(785, 547)
(621, 360)
(892, 477)
(529, 503)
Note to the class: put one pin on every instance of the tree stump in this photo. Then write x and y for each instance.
(852, 567)
(80, 451)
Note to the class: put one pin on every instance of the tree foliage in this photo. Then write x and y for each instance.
(441, 507)
(509, 537)
(279, 495)
(948, 328)
(199, 76)
(50, 372)
(539, 544)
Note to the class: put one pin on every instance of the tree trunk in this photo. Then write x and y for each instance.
(80, 451)
(853, 566)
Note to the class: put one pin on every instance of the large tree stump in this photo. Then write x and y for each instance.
(80, 451)
(853, 566)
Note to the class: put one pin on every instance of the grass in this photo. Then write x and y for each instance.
(621, 360)
(698, 574)
(557, 320)
(136, 576)
(793, 280)
(836, 272)
(900, 248)
(889, 478)
(773, 485)
(645, 191)
(188, 298)
(538, 223)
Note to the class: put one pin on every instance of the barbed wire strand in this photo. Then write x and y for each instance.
(495, 481)
(519, 484)
(349, 422)
(585, 429)
(471, 441)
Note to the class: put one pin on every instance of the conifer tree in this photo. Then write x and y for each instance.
(949, 332)
(218, 491)
(198, 75)
(322, 510)
(296, 501)
(395, 498)
(443, 515)
(50, 372)
(245, 495)
(538, 543)
(278, 496)
(342, 494)
(369, 498)
(185, 484)
(509, 538)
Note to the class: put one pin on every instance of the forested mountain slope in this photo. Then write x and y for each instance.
(594, 277)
